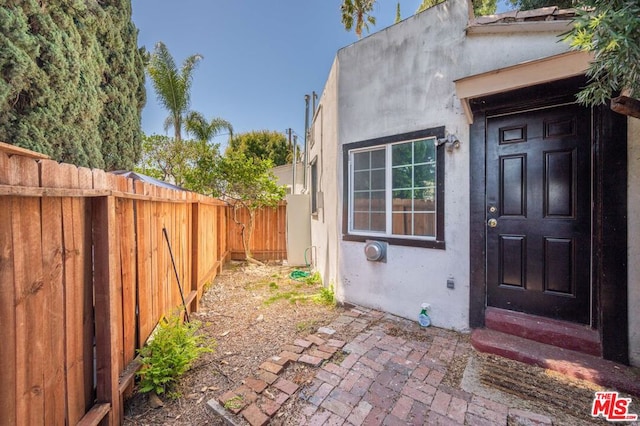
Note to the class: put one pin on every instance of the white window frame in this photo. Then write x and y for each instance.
(388, 233)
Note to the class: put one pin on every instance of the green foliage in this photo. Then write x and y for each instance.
(234, 403)
(484, 7)
(313, 279)
(172, 86)
(172, 160)
(326, 296)
(357, 14)
(611, 30)
(426, 4)
(248, 180)
(71, 81)
(174, 348)
(264, 144)
(398, 15)
(203, 130)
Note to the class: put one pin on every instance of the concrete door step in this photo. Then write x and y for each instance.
(562, 334)
(570, 363)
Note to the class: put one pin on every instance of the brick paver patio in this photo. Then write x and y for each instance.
(380, 379)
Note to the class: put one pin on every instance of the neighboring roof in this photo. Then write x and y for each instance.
(147, 179)
(544, 19)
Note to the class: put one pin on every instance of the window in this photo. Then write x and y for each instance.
(394, 189)
(314, 186)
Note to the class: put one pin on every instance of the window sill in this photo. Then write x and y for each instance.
(440, 245)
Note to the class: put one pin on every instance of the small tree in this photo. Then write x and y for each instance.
(263, 144)
(248, 182)
(169, 159)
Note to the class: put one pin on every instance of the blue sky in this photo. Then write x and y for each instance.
(260, 57)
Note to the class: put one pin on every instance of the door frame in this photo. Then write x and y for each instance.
(609, 189)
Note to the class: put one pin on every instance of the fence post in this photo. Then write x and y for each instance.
(195, 254)
(106, 301)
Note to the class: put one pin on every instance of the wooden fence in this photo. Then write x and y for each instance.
(85, 275)
(269, 240)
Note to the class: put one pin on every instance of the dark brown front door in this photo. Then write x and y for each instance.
(538, 213)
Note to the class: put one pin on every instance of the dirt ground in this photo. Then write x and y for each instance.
(253, 311)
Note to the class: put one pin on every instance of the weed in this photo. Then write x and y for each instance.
(291, 296)
(174, 348)
(308, 327)
(325, 296)
(313, 279)
(338, 357)
(234, 403)
(273, 285)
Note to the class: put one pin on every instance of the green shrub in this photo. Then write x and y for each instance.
(174, 348)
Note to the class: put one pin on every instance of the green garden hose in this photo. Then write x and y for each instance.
(298, 275)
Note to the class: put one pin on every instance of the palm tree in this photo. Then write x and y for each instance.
(358, 12)
(172, 86)
(203, 130)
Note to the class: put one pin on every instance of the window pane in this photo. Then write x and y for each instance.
(377, 179)
(402, 201)
(378, 221)
(425, 175)
(361, 160)
(378, 159)
(401, 177)
(401, 223)
(361, 201)
(425, 224)
(427, 194)
(423, 205)
(401, 154)
(424, 151)
(361, 180)
(361, 221)
(377, 201)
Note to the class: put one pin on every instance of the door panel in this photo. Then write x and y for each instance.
(539, 194)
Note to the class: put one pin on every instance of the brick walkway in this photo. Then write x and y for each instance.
(377, 378)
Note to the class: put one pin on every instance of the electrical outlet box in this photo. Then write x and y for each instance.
(450, 283)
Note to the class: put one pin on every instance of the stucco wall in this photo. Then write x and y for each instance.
(324, 225)
(634, 243)
(401, 80)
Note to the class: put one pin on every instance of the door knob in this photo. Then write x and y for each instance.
(492, 223)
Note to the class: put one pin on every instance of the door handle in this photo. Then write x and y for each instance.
(492, 223)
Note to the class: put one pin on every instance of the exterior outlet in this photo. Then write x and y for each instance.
(451, 283)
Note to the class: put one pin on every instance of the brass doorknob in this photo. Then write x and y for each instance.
(492, 223)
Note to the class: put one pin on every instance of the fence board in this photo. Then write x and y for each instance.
(106, 305)
(145, 291)
(7, 313)
(29, 300)
(78, 303)
(126, 229)
(52, 290)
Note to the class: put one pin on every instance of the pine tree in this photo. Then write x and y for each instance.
(58, 68)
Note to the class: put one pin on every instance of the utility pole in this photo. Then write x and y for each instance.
(306, 146)
(295, 162)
